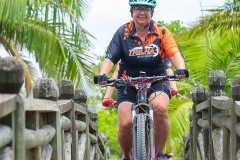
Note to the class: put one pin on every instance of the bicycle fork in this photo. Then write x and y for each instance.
(150, 130)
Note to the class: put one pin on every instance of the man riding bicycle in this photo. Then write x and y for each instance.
(141, 45)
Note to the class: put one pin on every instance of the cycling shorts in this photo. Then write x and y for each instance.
(131, 95)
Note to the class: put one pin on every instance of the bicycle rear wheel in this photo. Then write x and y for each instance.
(142, 138)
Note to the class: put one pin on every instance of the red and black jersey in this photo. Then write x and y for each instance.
(135, 56)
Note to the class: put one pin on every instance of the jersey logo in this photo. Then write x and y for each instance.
(148, 51)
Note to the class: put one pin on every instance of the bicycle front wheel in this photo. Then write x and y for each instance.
(142, 137)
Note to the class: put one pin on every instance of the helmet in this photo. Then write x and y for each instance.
(150, 3)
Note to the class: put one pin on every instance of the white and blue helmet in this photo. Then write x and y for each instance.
(150, 3)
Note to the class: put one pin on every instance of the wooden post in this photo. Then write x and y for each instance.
(216, 82)
(235, 89)
(199, 95)
(48, 89)
(80, 98)
(66, 91)
(11, 75)
(19, 131)
(11, 80)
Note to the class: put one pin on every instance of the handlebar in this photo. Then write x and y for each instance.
(127, 81)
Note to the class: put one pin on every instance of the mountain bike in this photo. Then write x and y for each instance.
(143, 132)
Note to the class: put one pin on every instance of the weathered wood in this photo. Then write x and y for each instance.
(19, 129)
(67, 146)
(65, 123)
(216, 83)
(93, 138)
(80, 96)
(238, 129)
(47, 152)
(203, 105)
(92, 151)
(66, 89)
(221, 102)
(222, 121)
(46, 89)
(235, 91)
(40, 105)
(40, 137)
(92, 113)
(199, 96)
(203, 123)
(64, 105)
(80, 109)
(201, 146)
(11, 75)
(80, 126)
(237, 107)
(7, 104)
(54, 120)
(101, 141)
(92, 126)
(217, 143)
(82, 145)
(5, 135)
(6, 153)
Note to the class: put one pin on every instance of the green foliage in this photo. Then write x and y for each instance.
(51, 32)
(175, 27)
(108, 124)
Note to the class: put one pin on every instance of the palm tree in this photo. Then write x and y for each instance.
(51, 31)
(213, 43)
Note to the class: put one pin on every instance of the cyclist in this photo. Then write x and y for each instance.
(107, 99)
(141, 44)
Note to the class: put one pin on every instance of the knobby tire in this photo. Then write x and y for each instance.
(142, 140)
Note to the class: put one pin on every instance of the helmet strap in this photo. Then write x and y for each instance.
(142, 27)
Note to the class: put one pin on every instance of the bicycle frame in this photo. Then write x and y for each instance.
(142, 105)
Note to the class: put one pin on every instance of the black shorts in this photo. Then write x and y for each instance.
(131, 95)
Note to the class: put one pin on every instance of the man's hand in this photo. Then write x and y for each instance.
(108, 102)
(173, 92)
(181, 73)
(102, 79)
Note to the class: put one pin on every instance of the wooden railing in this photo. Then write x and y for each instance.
(215, 121)
(56, 124)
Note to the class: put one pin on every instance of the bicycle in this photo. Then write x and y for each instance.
(143, 141)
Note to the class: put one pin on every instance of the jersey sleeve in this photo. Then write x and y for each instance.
(114, 49)
(169, 43)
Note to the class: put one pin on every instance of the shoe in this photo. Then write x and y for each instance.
(124, 159)
(169, 155)
(160, 156)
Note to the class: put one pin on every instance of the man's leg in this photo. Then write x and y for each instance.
(124, 132)
(160, 100)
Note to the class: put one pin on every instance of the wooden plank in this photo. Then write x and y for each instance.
(80, 109)
(237, 107)
(203, 105)
(100, 143)
(40, 105)
(221, 102)
(93, 127)
(64, 105)
(7, 104)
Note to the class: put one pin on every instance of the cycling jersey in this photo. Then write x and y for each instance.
(135, 56)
